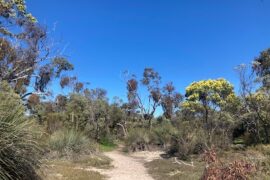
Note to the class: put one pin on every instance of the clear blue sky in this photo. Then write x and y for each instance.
(184, 40)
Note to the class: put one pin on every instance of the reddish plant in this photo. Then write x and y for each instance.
(217, 170)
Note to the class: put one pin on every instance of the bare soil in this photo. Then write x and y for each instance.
(128, 166)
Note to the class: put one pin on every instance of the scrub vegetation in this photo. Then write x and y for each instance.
(209, 132)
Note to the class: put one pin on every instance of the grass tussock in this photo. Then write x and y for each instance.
(20, 152)
(69, 142)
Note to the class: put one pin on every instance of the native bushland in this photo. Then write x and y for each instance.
(209, 117)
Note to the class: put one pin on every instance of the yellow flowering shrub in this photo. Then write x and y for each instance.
(209, 92)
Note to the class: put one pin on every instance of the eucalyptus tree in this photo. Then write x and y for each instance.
(157, 96)
(26, 56)
(151, 80)
(255, 93)
(170, 100)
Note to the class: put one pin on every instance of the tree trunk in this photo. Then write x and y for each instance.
(123, 128)
(97, 130)
(150, 123)
(266, 132)
(206, 115)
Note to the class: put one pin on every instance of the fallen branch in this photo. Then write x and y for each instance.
(183, 163)
(124, 129)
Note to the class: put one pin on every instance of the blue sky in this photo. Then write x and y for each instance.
(184, 40)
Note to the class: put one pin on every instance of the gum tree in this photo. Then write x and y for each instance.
(26, 57)
(151, 81)
(170, 100)
(157, 96)
(255, 86)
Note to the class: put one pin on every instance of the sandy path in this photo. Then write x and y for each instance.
(128, 167)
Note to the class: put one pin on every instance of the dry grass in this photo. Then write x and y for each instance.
(98, 161)
(167, 169)
(75, 170)
(258, 155)
(66, 172)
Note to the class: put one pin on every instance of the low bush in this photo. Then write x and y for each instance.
(215, 169)
(138, 139)
(141, 138)
(68, 142)
(107, 144)
(187, 141)
(162, 134)
(107, 140)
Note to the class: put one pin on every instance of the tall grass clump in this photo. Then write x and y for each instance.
(68, 142)
(19, 152)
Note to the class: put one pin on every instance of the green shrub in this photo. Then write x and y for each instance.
(187, 141)
(69, 142)
(107, 143)
(107, 140)
(138, 139)
(162, 133)
(19, 152)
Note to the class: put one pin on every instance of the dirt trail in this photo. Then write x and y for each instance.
(128, 167)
